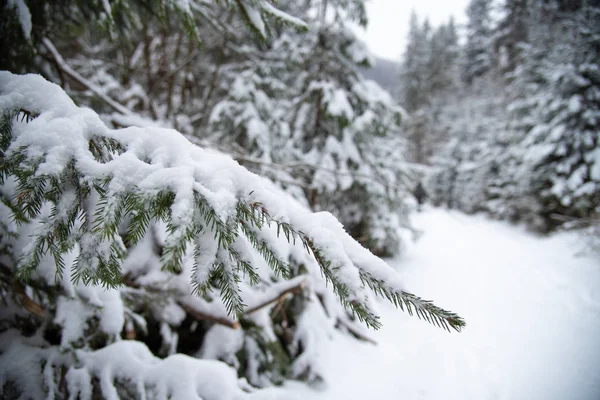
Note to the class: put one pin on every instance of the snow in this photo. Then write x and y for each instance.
(533, 315)
(24, 16)
(575, 103)
(255, 18)
(254, 9)
(107, 8)
(175, 377)
(270, 9)
(594, 159)
(228, 341)
(151, 160)
(577, 178)
(338, 104)
(111, 317)
(72, 329)
(24, 364)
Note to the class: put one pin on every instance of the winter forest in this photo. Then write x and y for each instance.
(227, 199)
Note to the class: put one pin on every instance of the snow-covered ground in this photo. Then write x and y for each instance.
(532, 308)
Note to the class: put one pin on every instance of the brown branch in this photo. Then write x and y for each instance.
(199, 315)
(26, 301)
(19, 289)
(280, 297)
(208, 317)
(62, 65)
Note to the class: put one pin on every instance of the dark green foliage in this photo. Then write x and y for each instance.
(424, 309)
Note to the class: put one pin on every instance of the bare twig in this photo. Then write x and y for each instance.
(279, 297)
(204, 316)
(197, 314)
(64, 67)
(294, 167)
(208, 317)
(27, 302)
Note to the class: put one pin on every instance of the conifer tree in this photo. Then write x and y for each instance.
(512, 33)
(428, 74)
(76, 221)
(414, 72)
(329, 127)
(559, 144)
(478, 53)
(131, 260)
(525, 132)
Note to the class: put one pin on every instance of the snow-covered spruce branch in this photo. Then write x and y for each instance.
(278, 293)
(92, 178)
(422, 308)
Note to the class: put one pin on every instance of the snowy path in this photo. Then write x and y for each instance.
(533, 321)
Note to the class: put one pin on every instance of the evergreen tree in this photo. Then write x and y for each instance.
(478, 56)
(428, 74)
(560, 142)
(414, 71)
(512, 33)
(138, 211)
(529, 128)
(327, 126)
(137, 234)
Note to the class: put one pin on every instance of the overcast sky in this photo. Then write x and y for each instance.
(388, 21)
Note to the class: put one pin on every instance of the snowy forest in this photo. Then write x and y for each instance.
(222, 200)
(510, 119)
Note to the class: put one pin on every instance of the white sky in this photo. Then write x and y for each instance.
(388, 21)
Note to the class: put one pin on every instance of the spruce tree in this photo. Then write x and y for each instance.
(524, 146)
(428, 75)
(331, 127)
(101, 238)
(132, 260)
(512, 33)
(478, 48)
(560, 144)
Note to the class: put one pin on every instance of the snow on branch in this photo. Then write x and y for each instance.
(93, 177)
(24, 16)
(254, 13)
(64, 67)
